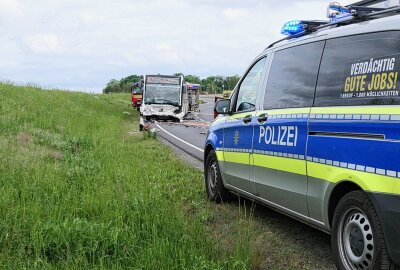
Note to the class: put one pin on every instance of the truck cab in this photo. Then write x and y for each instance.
(137, 94)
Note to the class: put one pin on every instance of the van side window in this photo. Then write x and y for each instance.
(292, 77)
(360, 70)
(246, 98)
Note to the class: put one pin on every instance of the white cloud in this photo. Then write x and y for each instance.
(235, 13)
(92, 18)
(10, 9)
(44, 43)
(10, 53)
(83, 44)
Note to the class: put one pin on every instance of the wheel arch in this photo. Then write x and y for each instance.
(207, 150)
(337, 193)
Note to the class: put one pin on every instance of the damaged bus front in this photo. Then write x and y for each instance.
(164, 98)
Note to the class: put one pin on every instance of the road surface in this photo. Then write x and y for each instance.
(191, 134)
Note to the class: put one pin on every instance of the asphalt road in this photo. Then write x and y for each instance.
(190, 135)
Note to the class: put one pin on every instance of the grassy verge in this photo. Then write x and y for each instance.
(80, 188)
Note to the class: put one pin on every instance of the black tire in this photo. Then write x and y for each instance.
(357, 237)
(214, 186)
(140, 127)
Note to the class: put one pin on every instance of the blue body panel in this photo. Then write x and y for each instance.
(215, 136)
(280, 136)
(379, 153)
(285, 137)
(238, 136)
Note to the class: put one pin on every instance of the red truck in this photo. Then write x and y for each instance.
(137, 94)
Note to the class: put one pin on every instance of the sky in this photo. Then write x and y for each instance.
(81, 44)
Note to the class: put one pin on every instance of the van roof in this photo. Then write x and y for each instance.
(334, 30)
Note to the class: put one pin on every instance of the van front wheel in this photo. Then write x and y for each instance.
(357, 238)
(214, 186)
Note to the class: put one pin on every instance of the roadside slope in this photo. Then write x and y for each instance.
(79, 188)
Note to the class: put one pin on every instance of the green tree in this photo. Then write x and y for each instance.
(193, 79)
(122, 85)
(230, 82)
(213, 84)
(113, 86)
(130, 80)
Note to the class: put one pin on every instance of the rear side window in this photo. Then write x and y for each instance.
(293, 76)
(360, 70)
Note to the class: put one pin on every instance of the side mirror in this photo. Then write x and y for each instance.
(222, 106)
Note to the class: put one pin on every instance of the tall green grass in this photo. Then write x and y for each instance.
(79, 188)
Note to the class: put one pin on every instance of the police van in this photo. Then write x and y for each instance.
(312, 130)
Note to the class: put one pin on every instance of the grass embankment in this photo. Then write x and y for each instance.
(80, 189)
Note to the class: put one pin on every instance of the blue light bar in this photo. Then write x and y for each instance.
(293, 27)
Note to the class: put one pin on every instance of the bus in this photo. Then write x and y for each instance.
(165, 97)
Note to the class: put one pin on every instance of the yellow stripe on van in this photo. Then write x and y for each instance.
(236, 157)
(367, 181)
(357, 110)
(240, 115)
(220, 155)
(285, 111)
(271, 162)
(231, 117)
(280, 163)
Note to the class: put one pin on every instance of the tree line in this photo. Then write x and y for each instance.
(211, 84)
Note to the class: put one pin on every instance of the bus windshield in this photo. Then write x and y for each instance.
(162, 94)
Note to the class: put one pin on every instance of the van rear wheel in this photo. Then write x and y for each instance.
(214, 186)
(357, 238)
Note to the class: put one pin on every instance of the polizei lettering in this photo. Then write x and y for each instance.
(278, 135)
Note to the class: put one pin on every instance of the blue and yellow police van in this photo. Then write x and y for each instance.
(312, 130)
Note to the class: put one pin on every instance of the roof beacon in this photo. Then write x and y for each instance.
(293, 27)
(297, 27)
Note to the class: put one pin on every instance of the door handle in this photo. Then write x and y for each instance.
(246, 119)
(262, 118)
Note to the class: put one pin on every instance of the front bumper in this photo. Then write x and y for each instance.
(163, 115)
(388, 207)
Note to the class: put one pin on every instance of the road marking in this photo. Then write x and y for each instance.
(179, 139)
(190, 124)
